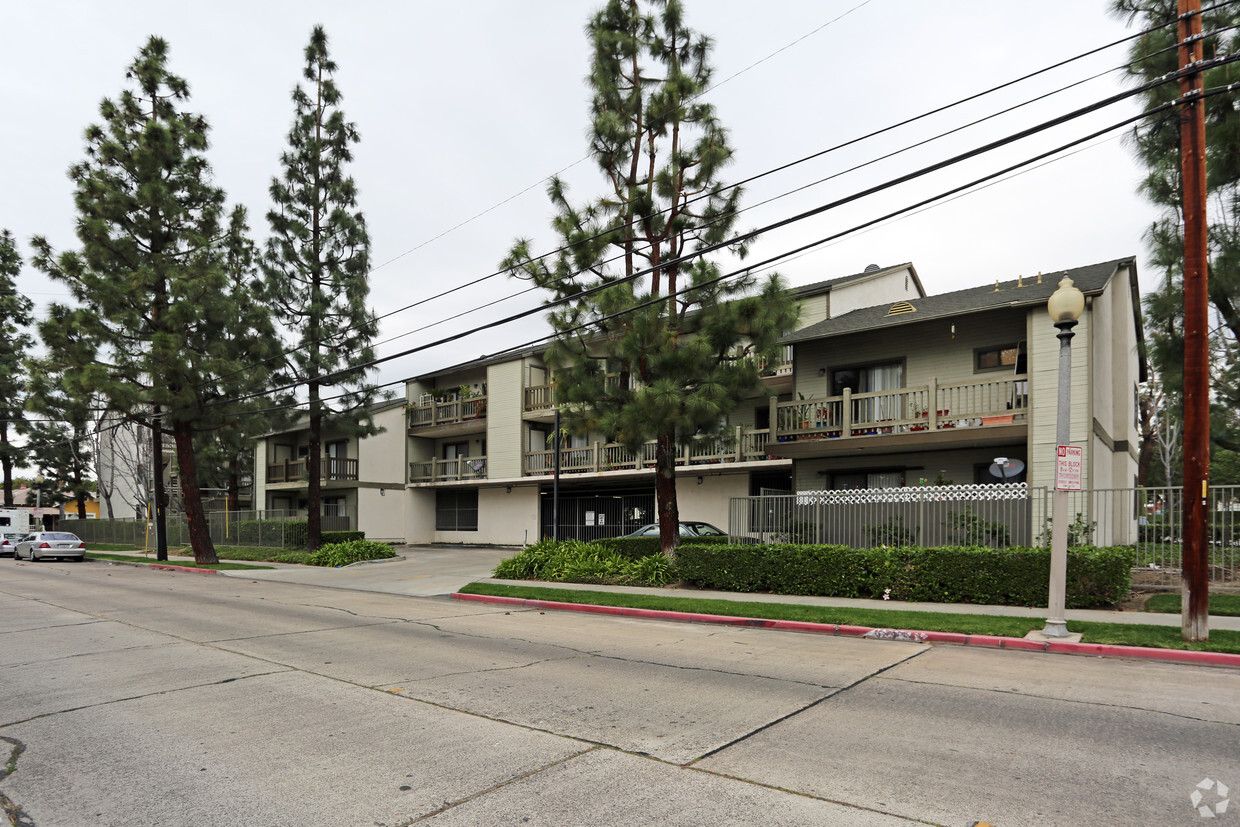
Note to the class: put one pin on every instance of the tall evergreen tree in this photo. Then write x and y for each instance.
(15, 321)
(1157, 145)
(674, 369)
(60, 441)
(316, 265)
(154, 318)
(227, 451)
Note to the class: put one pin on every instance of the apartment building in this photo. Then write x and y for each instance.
(882, 385)
(362, 481)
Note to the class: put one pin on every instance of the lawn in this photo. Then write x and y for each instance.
(1160, 637)
(129, 558)
(1223, 605)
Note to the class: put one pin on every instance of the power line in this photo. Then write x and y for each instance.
(781, 168)
(804, 215)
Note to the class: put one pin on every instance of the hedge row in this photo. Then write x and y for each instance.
(954, 574)
(635, 548)
(1224, 530)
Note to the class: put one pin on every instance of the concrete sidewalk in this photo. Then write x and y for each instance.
(1091, 615)
(430, 571)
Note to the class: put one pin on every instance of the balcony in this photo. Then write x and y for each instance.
(539, 400)
(449, 416)
(902, 418)
(295, 470)
(448, 470)
(743, 446)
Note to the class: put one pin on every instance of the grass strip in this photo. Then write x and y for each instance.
(125, 558)
(1121, 634)
(879, 618)
(114, 547)
(1222, 605)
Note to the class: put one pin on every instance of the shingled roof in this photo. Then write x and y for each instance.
(1090, 280)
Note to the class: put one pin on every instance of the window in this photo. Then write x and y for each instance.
(456, 510)
(333, 507)
(1002, 357)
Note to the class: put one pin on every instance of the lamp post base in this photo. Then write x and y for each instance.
(1055, 631)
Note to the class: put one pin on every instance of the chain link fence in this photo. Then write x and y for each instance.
(262, 529)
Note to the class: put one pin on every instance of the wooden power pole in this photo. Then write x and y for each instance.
(1195, 613)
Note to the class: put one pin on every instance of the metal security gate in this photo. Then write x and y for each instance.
(594, 517)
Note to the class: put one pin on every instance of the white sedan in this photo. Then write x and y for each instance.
(43, 544)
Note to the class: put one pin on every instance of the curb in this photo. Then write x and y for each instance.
(989, 641)
(160, 566)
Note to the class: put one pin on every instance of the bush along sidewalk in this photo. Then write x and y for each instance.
(353, 551)
(951, 574)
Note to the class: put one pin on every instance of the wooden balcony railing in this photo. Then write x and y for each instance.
(448, 412)
(741, 446)
(932, 407)
(441, 470)
(330, 468)
(539, 398)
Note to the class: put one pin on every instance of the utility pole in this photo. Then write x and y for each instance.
(1195, 613)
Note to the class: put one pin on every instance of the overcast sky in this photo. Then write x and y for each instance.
(464, 108)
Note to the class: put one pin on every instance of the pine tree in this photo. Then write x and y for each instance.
(15, 321)
(1157, 144)
(153, 326)
(316, 266)
(675, 368)
(60, 441)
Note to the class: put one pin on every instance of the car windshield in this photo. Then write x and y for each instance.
(59, 536)
(704, 530)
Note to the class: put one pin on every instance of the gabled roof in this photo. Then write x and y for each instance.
(1021, 292)
(824, 286)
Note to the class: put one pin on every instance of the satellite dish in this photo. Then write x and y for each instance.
(1005, 468)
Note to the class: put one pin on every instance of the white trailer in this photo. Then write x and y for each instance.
(14, 520)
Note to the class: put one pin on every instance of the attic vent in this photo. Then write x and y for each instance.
(872, 268)
(900, 308)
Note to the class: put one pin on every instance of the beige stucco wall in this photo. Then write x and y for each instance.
(380, 513)
(504, 518)
(709, 501)
(381, 458)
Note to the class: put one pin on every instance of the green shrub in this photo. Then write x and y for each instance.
(952, 574)
(354, 551)
(635, 548)
(343, 536)
(578, 561)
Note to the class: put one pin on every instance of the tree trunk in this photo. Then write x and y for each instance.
(199, 532)
(665, 493)
(314, 463)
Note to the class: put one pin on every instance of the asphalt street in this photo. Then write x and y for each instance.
(131, 696)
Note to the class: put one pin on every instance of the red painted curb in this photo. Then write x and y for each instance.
(163, 567)
(989, 641)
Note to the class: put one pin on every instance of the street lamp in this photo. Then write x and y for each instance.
(1065, 306)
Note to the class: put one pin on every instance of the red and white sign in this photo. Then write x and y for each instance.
(1068, 462)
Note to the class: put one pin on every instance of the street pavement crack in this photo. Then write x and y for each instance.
(448, 805)
(805, 708)
(154, 694)
(1064, 700)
